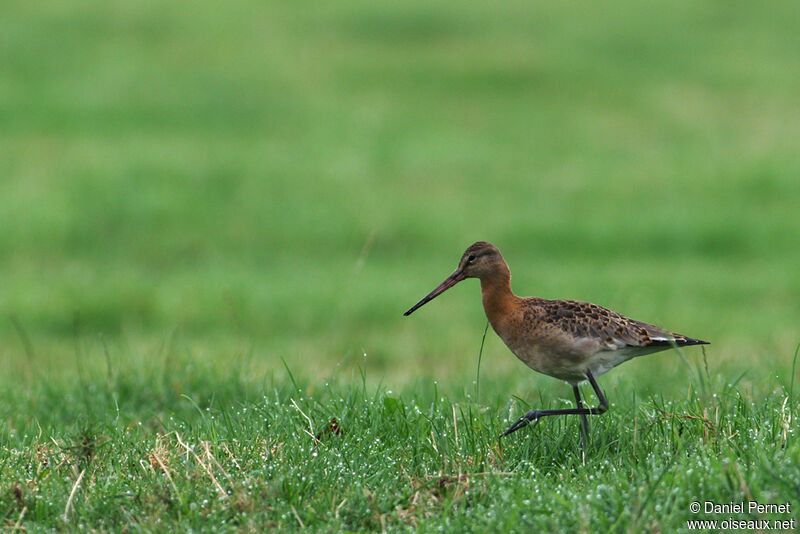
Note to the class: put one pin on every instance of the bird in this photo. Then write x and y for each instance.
(570, 340)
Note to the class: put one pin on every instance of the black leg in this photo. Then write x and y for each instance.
(535, 415)
(598, 392)
(584, 419)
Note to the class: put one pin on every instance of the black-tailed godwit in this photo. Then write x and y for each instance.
(566, 339)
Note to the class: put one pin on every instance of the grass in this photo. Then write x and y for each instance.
(192, 195)
(223, 172)
(170, 444)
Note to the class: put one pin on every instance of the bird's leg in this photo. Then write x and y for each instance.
(584, 420)
(535, 415)
(532, 415)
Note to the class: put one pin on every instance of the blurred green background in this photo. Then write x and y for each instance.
(283, 180)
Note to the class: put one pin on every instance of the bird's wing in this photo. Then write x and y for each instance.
(612, 330)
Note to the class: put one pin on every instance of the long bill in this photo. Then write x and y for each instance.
(449, 282)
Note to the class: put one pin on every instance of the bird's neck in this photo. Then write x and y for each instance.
(498, 299)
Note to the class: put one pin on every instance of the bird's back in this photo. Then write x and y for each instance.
(584, 319)
(565, 338)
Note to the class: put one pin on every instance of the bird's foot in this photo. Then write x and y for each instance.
(532, 416)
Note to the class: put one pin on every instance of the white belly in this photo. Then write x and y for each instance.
(572, 365)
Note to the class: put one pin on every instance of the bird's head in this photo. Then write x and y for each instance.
(480, 260)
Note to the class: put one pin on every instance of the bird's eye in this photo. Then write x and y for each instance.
(471, 259)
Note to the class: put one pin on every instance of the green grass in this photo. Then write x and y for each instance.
(171, 443)
(192, 194)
